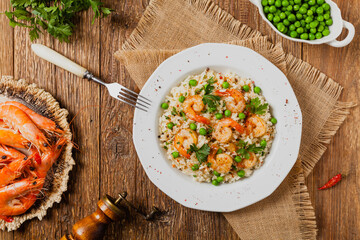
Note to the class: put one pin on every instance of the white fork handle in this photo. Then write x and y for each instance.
(59, 60)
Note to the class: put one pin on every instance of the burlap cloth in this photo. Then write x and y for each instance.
(169, 26)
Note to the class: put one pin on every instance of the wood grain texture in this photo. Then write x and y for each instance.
(107, 161)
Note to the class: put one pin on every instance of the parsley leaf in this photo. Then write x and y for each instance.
(211, 101)
(245, 149)
(201, 153)
(256, 107)
(55, 17)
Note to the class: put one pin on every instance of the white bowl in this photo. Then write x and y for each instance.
(284, 106)
(335, 29)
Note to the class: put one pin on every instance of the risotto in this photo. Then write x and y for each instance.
(216, 127)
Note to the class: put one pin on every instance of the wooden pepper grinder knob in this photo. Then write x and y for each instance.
(93, 226)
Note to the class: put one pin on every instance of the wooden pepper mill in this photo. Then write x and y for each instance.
(109, 210)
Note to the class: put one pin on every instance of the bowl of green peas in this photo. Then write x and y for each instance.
(308, 21)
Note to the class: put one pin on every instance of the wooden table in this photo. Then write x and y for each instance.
(107, 161)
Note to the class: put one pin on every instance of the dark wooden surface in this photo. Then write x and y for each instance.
(107, 161)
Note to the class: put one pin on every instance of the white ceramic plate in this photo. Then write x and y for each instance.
(284, 106)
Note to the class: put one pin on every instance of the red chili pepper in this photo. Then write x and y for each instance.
(333, 181)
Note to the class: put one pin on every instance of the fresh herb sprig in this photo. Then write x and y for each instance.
(245, 149)
(201, 153)
(55, 17)
(256, 107)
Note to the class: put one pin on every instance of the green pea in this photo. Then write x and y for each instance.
(181, 99)
(308, 19)
(285, 3)
(326, 6)
(216, 173)
(164, 105)
(313, 8)
(293, 34)
(322, 24)
(193, 126)
(319, 10)
(276, 19)
(246, 88)
(264, 2)
(292, 27)
(270, 17)
(271, 2)
(278, 3)
(313, 30)
(225, 85)
(329, 22)
(195, 167)
(314, 24)
(310, 13)
(273, 120)
(170, 125)
(303, 23)
(299, 16)
(326, 32)
(320, 18)
(193, 82)
(272, 9)
(305, 5)
(296, 8)
(318, 35)
(292, 18)
(320, 28)
(219, 179)
(312, 2)
(266, 9)
(326, 16)
(312, 36)
(242, 116)
(237, 159)
(300, 30)
(289, 8)
(257, 90)
(320, 2)
(297, 24)
(263, 143)
(218, 116)
(282, 15)
(297, 1)
(214, 182)
(219, 151)
(227, 113)
(307, 26)
(302, 10)
(281, 28)
(202, 131)
(241, 173)
(304, 36)
(175, 154)
(286, 22)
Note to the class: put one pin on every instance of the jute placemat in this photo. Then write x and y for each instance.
(169, 26)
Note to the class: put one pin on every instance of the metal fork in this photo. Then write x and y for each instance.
(116, 90)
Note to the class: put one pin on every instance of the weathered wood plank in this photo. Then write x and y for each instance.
(6, 42)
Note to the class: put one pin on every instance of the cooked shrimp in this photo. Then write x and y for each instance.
(183, 140)
(194, 105)
(20, 121)
(248, 163)
(256, 126)
(231, 147)
(9, 138)
(18, 197)
(220, 162)
(237, 104)
(8, 153)
(223, 132)
(13, 170)
(40, 121)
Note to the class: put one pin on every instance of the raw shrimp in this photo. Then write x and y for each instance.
(220, 162)
(20, 121)
(194, 105)
(9, 138)
(40, 121)
(222, 130)
(237, 104)
(248, 163)
(17, 198)
(256, 126)
(183, 140)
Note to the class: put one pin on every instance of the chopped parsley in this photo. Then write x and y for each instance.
(201, 153)
(245, 149)
(174, 112)
(211, 101)
(256, 107)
